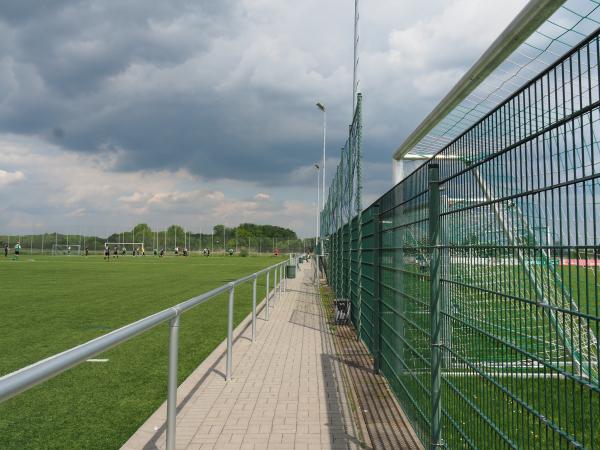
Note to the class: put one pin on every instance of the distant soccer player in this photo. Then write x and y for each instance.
(87, 251)
(17, 250)
(106, 251)
(176, 251)
(185, 251)
(162, 253)
(6, 250)
(123, 251)
(116, 252)
(69, 250)
(230, 252)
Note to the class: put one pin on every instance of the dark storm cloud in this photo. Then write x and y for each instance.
(66, 59)
(222, 88)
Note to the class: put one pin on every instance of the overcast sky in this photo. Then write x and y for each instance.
(115, 112)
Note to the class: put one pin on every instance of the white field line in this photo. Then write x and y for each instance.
(97, 360)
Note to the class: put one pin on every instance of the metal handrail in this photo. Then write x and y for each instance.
(27, 377)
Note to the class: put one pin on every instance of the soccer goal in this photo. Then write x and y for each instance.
(63, 249)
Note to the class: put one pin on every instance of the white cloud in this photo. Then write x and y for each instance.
(80, 195)
(7, 178)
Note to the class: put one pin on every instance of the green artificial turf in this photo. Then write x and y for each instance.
(50, 304)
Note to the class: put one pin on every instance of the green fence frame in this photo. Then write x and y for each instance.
(474, 282)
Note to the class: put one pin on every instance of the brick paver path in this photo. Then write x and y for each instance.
(286, 391)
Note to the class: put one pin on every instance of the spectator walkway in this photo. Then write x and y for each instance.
(286, 393)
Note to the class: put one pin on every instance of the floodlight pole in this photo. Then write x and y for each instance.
(355, 59)
(318, 218)
(322, 108)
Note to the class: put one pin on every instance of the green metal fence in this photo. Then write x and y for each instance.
(475, 280)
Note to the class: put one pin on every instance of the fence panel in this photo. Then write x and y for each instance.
(518, 273)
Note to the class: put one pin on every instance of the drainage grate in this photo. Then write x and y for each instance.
(385, 423)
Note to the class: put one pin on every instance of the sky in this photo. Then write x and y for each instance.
(117, 112)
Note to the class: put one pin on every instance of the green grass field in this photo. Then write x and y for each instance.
(50, 304)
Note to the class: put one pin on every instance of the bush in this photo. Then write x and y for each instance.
(244, 252)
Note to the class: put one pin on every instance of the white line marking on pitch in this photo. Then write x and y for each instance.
(97, 360)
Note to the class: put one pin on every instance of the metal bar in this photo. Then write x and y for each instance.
(268, 296)
(376, 288)
(434, 232)
(172, 381)
(230, 332)
(534, 14)
(254, 308)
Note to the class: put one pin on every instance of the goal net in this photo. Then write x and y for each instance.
(63, 249)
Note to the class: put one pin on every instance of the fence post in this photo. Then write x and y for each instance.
(230, 332)
(278, 282)
(172, 381)
(376, 289)
(267, 296)
(254, 308)
(434, 268)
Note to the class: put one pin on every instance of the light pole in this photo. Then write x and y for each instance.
(318, 202)
(322, 108)
(318, 222)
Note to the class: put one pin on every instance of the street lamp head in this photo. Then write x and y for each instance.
(321, 106)
(317, 166)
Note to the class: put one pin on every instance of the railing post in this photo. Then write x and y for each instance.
(275, 284)
(230, 333)
(254, 308)
(279, 286)
(172, 381)
(434, 231)
(267, 296)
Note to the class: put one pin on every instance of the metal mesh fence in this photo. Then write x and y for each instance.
(475, 280)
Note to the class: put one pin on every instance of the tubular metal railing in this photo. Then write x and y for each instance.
(23, 379)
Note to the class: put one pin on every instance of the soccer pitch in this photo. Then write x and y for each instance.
(50, 304)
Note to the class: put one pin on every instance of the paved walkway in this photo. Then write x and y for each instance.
(286, 391)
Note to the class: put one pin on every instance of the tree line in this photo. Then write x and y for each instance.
(263, 238)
